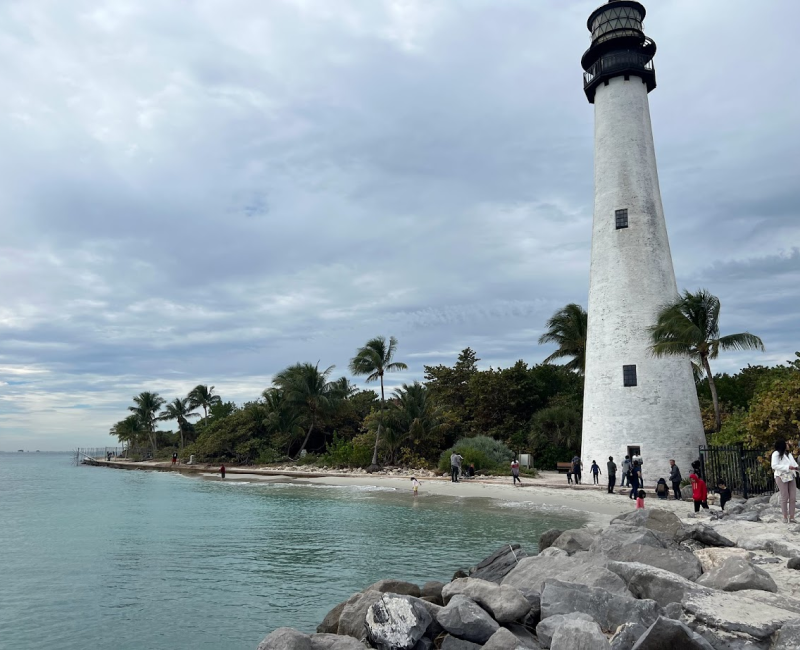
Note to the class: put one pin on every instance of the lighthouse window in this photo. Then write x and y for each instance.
(629, 375)
(622, 218)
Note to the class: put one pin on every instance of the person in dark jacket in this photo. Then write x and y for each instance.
(675, 479)
(611, 470)
(662, 491)
(635, 477)
(724, 493)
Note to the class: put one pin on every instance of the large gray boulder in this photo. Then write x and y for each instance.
(626, 636)
(397, 622)
(330, 624)
(607, 609)
(533, 571)
(659, 585)
(621, 535)
(454, 643)
(579, 635)
(758, 542)
(788, 638)
(735, 574)
(733, 613)
(432, 590)
(354, 614)
(505, 604)
(524, 636)
(785, 549)
(286, 638)
(503, 640)
(682, 563)
(548, 537)
(577, 539)
(667, 634)
(655, 519)
(495, 567)
(547, 628)
(395, 587)
(466, 619)
(703, 534)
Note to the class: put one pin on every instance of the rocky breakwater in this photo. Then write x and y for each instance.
(646, 582)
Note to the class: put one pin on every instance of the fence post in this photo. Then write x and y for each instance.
(742, 471)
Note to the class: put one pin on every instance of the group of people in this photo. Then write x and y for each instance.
(455, 468)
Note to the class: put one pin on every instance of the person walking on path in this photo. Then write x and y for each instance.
(784, 467)
(577, 466)
(455, 466)
(699, 492)
(675, 479)
(595, 469)
(611, 470)
(626, 472)
(222, 471)
(634, 481)
(515, 471)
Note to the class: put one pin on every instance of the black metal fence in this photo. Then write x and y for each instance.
(742, 469)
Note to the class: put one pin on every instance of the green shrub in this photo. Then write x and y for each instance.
(487, 454)
(347, 453)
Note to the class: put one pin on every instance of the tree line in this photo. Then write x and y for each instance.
(308, 414)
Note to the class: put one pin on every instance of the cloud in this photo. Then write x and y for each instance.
(208, 193)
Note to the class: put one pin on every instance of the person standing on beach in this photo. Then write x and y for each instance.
(634, 480)
(784, 466)
(626, 472)
(699, 492)
(675, 479)
(595, 468)
(222, 471)
(611, 469)
(577, 466)
(515, 471)
(415, 485)
(455, 466)
(174, 459)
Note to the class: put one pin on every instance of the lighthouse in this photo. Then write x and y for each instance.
(633, 402)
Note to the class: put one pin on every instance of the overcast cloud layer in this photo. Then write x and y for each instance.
(208, 191)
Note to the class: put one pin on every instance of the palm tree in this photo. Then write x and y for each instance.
(204, 397)
(280, 417)
(146, 409)
(374, 360)
(567, 329)
(130, 431)
(308, 391)
(179, 409)
(415, 413)
(689, 327)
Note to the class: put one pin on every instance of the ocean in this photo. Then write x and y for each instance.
(141, 560)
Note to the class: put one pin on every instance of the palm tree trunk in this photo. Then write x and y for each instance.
(305, 442)
(380, 426)
(180, 428)
(713, 386)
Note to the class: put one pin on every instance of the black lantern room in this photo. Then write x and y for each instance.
(619, 46)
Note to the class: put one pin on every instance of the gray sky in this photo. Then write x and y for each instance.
(208, 191)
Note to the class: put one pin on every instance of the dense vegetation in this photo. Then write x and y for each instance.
(310, 416)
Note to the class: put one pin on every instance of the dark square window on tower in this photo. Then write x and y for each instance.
(629, 375)
(622, 218)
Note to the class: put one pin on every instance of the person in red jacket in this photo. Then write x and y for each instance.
(222, 474)
(699, 492)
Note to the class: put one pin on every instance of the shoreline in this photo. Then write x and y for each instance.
(593, 502)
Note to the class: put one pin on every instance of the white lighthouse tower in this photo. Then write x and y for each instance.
(633, 402)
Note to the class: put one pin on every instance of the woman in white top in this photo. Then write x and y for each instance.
(785, 466)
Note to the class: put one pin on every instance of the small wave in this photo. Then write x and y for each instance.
(351, 488)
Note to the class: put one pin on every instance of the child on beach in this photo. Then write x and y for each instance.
(640, 495)
(414, 485)
(595, 471)
(724, 493)
(699, 492)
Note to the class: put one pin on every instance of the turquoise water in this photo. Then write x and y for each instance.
(101, 558)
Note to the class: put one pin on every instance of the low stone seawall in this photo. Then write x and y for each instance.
(647, 581)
